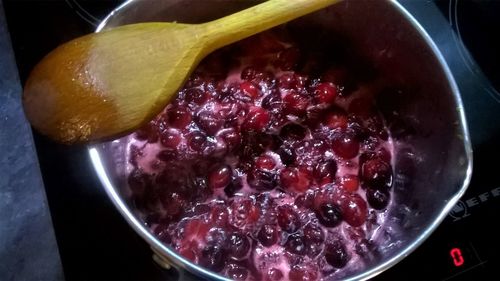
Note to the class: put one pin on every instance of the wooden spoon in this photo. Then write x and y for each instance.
(105, 84)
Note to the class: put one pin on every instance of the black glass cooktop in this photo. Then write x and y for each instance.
(95, 243)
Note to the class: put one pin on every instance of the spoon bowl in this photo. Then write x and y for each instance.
(106, 84)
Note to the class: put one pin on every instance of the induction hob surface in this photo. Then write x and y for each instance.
(95, 243)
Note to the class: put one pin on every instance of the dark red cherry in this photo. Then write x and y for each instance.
(325, 93)
(377, 173)
(345, 145)
(354, 209)
(329, 215)
(295, 179)
(262, 180)
(268, 235)
(377, 198)
(295, 244)
(288, 219)
(238, 245)
(256, 120)
(265, 162)
(303, 273)
(295, 103)
(212, 257)
(220, 177)
(325, 168)
(179, 116)
(336, 254)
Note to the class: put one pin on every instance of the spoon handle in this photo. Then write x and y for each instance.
(232, 28)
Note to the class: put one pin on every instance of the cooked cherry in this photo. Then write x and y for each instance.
(325, 168)
(195, 95)
(244, 212)
(295, 103)
(296, 244)
(216, 236)
(179, 116)
(336, 254)
(262, 180)
(302, 273)
(345, 145)
(292, 81)
(377, 173)
(272, 102)
(314, 238)
(295, 179)
(325, 93)
(219, 215)
(196, 228)
(329, 215)
(167, 155)
(211, 122)
(384, 154)
(170, 139)
(197, 141)
(349, 183)
(268, 235)
(212, 257)
(249, 90)
(288, 219)
(256, 120)
(265, 162)
(147, 133)
(174, 205)
(356, 130)
(236, 272)
(248, 73)
(189, 250)
(335, 120)
(200, 209)
(354, 210)
(220, 177)
(231, 111)
(238, 245)
(288, 81)
(264, 79)
(377, 198)
(305, 200)
(231, 137)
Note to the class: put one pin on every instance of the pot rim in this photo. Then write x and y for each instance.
(180, 261)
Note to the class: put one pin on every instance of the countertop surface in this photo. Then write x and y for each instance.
(28, 249)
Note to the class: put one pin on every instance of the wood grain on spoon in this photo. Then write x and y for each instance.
(105, 84)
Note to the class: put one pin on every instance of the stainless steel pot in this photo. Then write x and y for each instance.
(433, 153)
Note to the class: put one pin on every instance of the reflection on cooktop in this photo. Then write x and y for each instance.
(476, 24)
